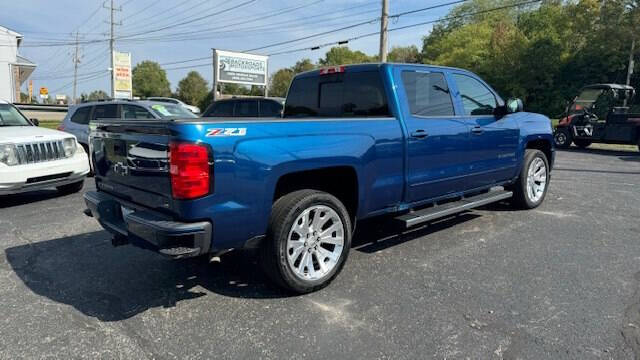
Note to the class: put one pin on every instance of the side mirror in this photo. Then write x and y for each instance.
(35, 121)
(514, 105)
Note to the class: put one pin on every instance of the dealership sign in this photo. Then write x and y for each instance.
(241, 68)
(122, 75)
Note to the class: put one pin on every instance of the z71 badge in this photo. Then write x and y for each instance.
(227, 132)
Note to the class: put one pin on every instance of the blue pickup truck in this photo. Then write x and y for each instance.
(354, 142)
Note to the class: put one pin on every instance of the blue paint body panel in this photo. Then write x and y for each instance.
(395, 171)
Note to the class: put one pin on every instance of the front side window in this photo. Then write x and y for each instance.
(81, 116)
(477, 99)
(135, 112)
(427, 93)
(108, 111)
(10, 116)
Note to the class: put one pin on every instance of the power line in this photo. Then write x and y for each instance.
(406, 27)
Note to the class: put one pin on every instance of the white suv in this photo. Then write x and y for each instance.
(33, 158)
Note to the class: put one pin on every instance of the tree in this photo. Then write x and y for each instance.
(339, 55)
(193, 88)
(149, 79)
(95, 95)
(405, 54)
(281, 79)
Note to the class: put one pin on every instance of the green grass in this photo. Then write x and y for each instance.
(49, 124)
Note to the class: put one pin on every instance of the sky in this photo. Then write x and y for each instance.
(172, 31)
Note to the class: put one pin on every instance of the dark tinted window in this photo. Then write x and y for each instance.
(428, 94)
(348, 94)
(108, 111)
(477, 99)
(219, 109)
(246, 108)
(270, 108)
(81, 116)
(135, 112)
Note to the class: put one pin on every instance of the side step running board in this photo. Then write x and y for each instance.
(440, 211)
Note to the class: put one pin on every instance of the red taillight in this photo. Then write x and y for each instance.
(189, 169)
(332, 70)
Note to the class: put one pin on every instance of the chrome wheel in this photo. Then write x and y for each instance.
(560, 138)
(315, 242)
(536, 179)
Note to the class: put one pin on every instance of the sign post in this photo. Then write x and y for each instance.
(239, 68)
(30, 91)
(123, 87)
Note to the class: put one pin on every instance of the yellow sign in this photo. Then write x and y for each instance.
(122, 75)
(44, 92)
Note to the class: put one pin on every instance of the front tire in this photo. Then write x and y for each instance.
(531, 187)
(562, 138)
(71, 188)
(308, 240)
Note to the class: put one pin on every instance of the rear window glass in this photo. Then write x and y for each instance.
(427, 93)
(81, 116)
(170, 111)
(135, 112)
(219, 109)
(246, 108)
(270, 108)
(348, 94)
(109, 111)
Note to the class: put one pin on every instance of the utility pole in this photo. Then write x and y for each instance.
(112, 23)
(76, 61)
(384, 23)
(631, 65)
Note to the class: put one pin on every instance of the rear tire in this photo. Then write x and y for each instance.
(562, 137)
(531, 187)
(299, 257)
(582, 144)
(71, 188)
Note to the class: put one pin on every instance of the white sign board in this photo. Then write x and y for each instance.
(241, 68)
(122, 75)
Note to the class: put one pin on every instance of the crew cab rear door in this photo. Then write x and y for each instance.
(493, 141)
(438, 141)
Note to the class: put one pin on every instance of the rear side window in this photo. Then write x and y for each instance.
(81, 116)
(220, 109)
(270, 108)
(135, 112)
(109, 111)
(246, 108)
(427, 93)
(347, 94)
(477, 99)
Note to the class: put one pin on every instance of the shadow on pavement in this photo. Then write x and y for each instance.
(112, 284)
(631, 153)
(7, 201)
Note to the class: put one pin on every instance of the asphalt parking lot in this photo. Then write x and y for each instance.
(558, 282)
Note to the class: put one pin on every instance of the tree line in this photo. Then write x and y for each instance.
(543, 53)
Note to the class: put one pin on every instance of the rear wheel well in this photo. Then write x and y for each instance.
(542, 145)
(339, 181)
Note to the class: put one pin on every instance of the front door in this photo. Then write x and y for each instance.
(437, 141)
(493, 141)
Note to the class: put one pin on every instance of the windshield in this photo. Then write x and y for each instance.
(171, 111)
(10, 116)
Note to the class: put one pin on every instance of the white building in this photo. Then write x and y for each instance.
(14, 69)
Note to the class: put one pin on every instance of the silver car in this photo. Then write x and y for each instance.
(78, 116)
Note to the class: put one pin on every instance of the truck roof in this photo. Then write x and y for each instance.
(374, 66)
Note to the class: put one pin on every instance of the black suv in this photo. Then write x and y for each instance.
(245, 107)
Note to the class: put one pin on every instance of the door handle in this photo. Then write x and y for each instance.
(420, 134)
(477, 130)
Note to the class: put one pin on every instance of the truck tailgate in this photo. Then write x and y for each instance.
(130, 160)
